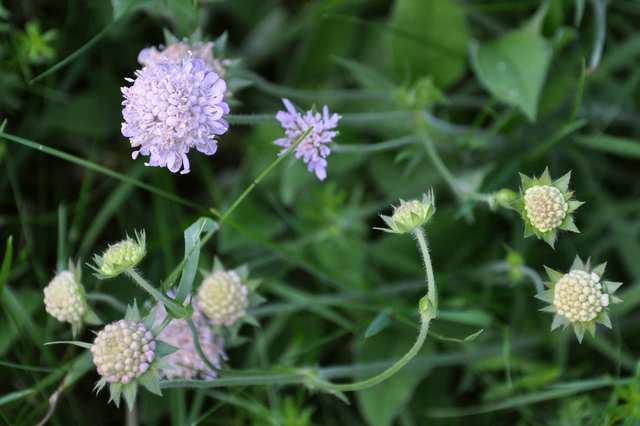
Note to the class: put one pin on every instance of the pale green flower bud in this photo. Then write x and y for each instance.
(410, 215)
(121, 256)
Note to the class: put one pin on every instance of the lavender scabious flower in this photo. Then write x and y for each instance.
(185, 363)
(314, 149)
(173, 107)
(176, 52)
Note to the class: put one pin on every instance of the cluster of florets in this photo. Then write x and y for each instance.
(546, 206)
(185, 362)
(314, 149)
(172, 107)
(410, 215)
(64, 298)
(121, 256)
(176, 52)
(123, 350)
(580, 297)
(223, 297)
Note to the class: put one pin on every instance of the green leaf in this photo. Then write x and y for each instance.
(115, 390)
(120, 7)
(192, 246)
(163, 349)
(379, 323)
(429, 38)
(381, 404)
(6, 263)
(514, 67)
(623, 147)
(129, 391)
(151, 381)
(132, 314)
(70, 342)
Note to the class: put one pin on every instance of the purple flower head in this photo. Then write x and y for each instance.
(173, 107)
(176, 52)
(185, 363)
(314, 149)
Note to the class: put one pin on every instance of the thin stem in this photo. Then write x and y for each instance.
(171, 305)
(262, 175)
(427, 313)
(425, 320)
(460, 192)
(432, 291)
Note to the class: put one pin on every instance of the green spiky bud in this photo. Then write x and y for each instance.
(121, 256)
(410, 215)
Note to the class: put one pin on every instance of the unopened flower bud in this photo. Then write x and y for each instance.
(223, 297)
(410, 215)
(121, 256)
(64, 298)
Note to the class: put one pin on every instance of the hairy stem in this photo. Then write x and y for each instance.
(173, 307)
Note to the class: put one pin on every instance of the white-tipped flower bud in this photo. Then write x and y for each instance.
(121, 256)
(223, 297)
(579, 297)
(545, 207)
(123, 350)
(64, 298)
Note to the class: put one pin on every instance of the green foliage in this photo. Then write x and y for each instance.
(458, 96)
(429, 39)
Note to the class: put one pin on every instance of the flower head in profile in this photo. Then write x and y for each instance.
(410, 215)
(225, 295)
(179, 50)
(186, 363)
(580, 298)
(314, 149)
(172, 107)
(546, 206)
(121, 256)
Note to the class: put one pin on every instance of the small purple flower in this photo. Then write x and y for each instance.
(173, 107)
(314, 149)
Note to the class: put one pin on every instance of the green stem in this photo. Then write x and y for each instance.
(432, 291)
(397, 366)
(173, 307)
(427, 313)
(261, 176)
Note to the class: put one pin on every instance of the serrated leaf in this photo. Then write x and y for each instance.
(545, 296)
(599, 270)
(558, 321)
(514, 67)
(605, 320)
(550, 237)
(568, 224)
(92, 318)
(612, 287)
(379, 323)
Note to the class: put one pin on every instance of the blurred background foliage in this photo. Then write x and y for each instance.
(498, 86)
